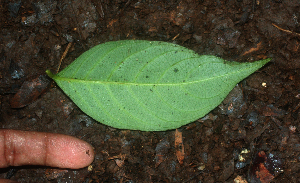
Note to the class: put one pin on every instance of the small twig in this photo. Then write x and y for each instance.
(63, 56)
(258, 46)
(175, 37)
(284, 30)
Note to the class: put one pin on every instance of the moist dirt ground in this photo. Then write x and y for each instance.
(253, 136)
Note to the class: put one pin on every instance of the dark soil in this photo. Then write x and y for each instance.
(253, 136)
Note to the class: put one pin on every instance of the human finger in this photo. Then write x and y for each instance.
(48, 149)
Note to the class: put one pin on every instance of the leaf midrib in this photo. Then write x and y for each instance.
(149, 84)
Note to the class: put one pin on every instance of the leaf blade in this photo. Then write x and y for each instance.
(149, 86)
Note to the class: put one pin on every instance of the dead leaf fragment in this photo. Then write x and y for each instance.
(179, 146)
(119, 159)
(30, 91)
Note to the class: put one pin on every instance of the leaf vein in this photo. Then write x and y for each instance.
(100, 59)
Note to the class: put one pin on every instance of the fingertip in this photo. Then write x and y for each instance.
(83, 155)
(69, 152)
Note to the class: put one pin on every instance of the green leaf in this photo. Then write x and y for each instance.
(149, 85)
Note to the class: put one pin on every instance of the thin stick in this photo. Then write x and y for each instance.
(63, 56)
(175, 37)
(284, 30)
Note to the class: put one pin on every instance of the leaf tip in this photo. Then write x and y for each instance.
(266, 60)
(261, 63)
